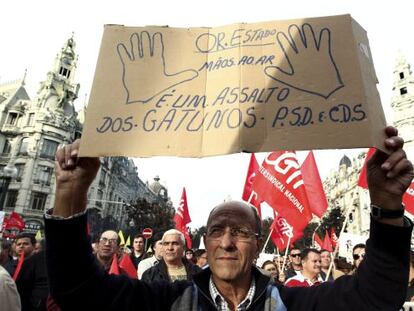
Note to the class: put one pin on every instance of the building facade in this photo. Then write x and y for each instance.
(30, 132)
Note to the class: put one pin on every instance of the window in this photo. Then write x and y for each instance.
(30, 120)
(49, 149)
(38, 201)
(44, 175)
(24, 146)
(403, 90)
(6, 147)
(12, 118)
(401, 75)
(64, 72)
(102, 178)
(99, 198)
(20, 170)
(11, 198)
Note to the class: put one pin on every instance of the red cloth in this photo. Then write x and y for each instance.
(182, 218)
(318, 242)
(282, 231)
(408, 199)
(362, 181)
(114, 266)
(300, 281)
(327, 244)
(279, 182)
(249, 195)
(314, 188)
(127, 266)
(14, 221)
(19, 266)
(334, 238)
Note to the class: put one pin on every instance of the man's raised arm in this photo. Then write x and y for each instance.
(73, 177)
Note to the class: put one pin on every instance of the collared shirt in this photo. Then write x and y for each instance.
(221, 303)
(299, 280)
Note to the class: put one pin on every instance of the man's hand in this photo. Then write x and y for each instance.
(144, 69)
(389, 176)
(302, 44)
(73, 177)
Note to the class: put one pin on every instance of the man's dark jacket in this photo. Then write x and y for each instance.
(159, 272)
(77, 283)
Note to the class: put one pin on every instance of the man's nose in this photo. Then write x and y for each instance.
(227, 240)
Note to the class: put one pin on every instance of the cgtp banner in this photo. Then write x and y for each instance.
(283, 85)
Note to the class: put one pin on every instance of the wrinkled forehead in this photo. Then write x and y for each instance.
(232, 216)
(172, 238)
(110, 235)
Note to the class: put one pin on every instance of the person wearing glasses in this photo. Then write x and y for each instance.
(107, 246)
(233, 241)
(358, 254)
(295, 266)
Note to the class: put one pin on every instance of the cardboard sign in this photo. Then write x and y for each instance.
(285, 85)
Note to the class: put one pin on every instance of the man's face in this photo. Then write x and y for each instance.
(108, 244)
(325, 259)
(24, 245)
(158, 250)
(312, 264)
(138, 245)
(358, 255)
(295, 256)
(202, 260)
(231, 243)
(173, 248)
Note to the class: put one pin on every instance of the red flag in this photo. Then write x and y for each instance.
(318, 243)
(114, 266)
(282, 231)
(327, 244)
(362, 181)
(182, 218)
(19, 266)
(248, 194)
(334, 238)
(313, 184)
(279, 182)
(127, 265)
(14, 221)
(408, 199)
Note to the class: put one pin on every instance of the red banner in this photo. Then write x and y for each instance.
(283, 234)
(279, 182)
(182, 218)
(248, 194)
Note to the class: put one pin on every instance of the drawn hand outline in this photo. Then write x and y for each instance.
(146, 54)
(303, 41)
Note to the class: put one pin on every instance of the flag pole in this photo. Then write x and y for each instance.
(337, 244)
(267, 240)
(286, 253)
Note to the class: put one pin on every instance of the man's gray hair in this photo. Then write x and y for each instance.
(174, 232)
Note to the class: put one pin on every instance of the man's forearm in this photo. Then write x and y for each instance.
(69, 203)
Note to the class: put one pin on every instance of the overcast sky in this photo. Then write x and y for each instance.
(32, 32)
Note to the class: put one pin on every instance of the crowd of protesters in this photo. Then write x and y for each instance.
(224, 275)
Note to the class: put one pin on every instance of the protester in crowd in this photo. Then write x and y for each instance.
(279, 261)
(138, 251)
(108, 246)
(9, 297)
(294, 267)
(233, 240)
(25, 243)
(271, 269)
(201, 257)
(147, 263)
(343, 267)
(32, 283)
(358, 254)
(410, 290)
(311, 268)
(173, 266)
(326, 259)
(5, 252)
(39, 246)
(189, 255)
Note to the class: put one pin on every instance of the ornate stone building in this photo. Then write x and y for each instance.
(30, 132)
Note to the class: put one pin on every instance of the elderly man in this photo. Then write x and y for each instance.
(108, 245)
(311, 268)
(173, 266)
(233, 240)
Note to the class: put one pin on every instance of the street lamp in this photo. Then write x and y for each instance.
(8, 173)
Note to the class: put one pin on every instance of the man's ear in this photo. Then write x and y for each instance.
(259, 242)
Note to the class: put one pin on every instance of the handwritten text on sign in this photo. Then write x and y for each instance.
(195, 92)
